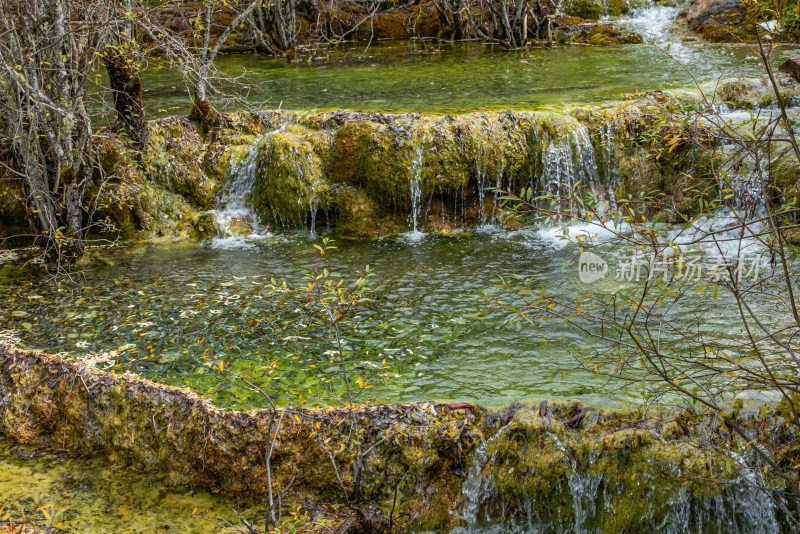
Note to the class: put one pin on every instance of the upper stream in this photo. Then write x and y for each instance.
(463, 77)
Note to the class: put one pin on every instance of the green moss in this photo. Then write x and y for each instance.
(175, 160)
(358, 215)
(594, 9)
(604, 34)
(585, 9)
(535, 462)
(368, 154)
(204, 226)
(289, 176)
(171, 215)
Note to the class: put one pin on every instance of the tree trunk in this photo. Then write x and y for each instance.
(126, 87)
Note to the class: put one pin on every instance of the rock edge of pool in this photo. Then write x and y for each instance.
(421, 464)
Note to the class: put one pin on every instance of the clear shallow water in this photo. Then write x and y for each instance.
(174, 310)
(95, 496)
(463, 77)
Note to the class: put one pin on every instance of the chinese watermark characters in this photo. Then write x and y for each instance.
(639, 266)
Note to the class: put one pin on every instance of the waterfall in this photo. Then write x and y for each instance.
(417, 166)
(610, 176)
(313, 207)
(481, 192)
(483, 164)
(653, 23)
(497, 195)
(741, 508)
(234, 212)
(583, 488)
(566, 162)
(476, 489)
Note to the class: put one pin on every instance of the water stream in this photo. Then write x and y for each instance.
(171, 311)
(464, 77)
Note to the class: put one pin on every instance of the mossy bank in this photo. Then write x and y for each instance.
(415, 463)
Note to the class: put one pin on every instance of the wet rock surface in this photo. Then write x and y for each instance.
(552, 463)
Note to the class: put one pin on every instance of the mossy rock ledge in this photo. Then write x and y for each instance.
(365, 174)
(357, 172)
(549, 463)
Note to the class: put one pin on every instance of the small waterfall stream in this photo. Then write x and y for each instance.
(477, 488)
(571, 162)
(234, 215)
(313, 208)
(417, 166)
(742, 508)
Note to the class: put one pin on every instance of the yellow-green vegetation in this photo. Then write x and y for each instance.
(289, 175)
(594, 9)
(359, 167)
(638, 470)
(358, 216)
(78, 494)
(367, 449)
(604, 34)
(639, 466)
(175, 160)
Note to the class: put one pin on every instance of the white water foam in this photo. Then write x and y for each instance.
(234, 208)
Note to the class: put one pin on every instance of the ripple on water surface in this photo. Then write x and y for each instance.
(173, 311)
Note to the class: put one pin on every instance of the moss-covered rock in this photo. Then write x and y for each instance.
(585, 9)
(753, 93)
(598, 477)
(310, 161)
(175, 160)
(559, 465)
(289, 176)
(359, 217)
(594, 9)
(604, 34)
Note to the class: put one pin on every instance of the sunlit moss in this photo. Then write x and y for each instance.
(289, 177)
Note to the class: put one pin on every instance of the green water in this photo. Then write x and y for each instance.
(174, 310)
(92, 495)
(460, 77)
(464, 77)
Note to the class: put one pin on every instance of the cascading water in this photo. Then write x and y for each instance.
(481, 176)
(742, 508)
(417, 166)
(653, 22)
(566, 162)
(497, 194)
(608, 137)
(313, 208)
(476, 489)
(234, 214)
